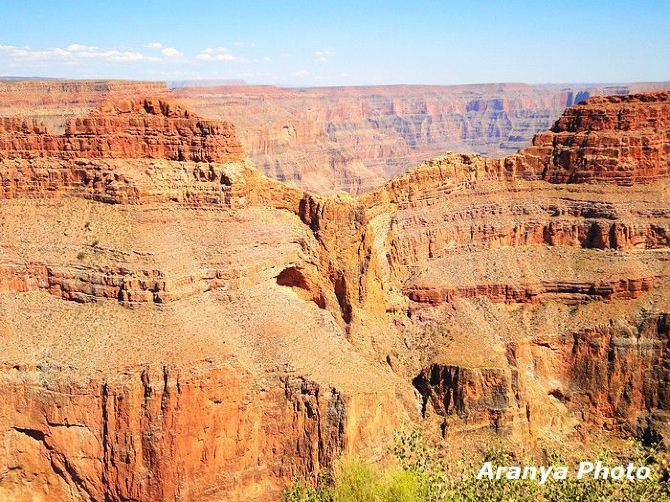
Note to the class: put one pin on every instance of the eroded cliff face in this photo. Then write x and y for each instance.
(139, 128)
(620, 139)
(330, 139)
(356, 138)
(177, 326)
(54, 102)
(537, 303)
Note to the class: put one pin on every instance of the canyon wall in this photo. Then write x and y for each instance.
(178, 326)
(339, 138)
(53, 102)
(139, 128)
(355, 138)
(538, 283)
(159, 361)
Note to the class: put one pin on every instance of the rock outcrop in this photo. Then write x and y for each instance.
(144, 128)
(356, 138)
(622, 139)
(53, 102)
(177, 326)
(584, 264)
(197, 269)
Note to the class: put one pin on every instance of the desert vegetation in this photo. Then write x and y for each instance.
(421, 475)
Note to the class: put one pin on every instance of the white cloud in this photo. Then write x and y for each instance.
(267, 59)
(216, 54)
(73, 53)
(301, 74)
(322, 56)
(154, 45)
(170, 52)
(81, 48)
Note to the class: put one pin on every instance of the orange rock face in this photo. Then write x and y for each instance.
(621, 139)
(53, 102)
(177, 326)
(146, 128)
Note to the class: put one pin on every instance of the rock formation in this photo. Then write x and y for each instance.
(356, 138)
(510, 264)
(329, 139)
(177, 326)
(630, 144)
(53, 102)
(141, 128)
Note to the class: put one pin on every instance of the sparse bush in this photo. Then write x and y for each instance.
(423, 477)
(81, 255)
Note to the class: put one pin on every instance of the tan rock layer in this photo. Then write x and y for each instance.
(567, 291)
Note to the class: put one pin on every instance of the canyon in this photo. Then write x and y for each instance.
(335, 138)
(177, 325)
(356, 138)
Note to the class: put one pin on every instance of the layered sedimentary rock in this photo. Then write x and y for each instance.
(139, 128)
(168, 294)
(53, 102)
(181, 327)
(355, 138)
(541, 298)
(622, 139)
(329, 139)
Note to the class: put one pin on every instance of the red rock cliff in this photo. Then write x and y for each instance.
(356, 138)
(620, 139)
(144, 128)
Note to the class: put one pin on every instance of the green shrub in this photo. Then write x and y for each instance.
(423, 477)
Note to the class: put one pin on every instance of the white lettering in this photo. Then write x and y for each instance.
(544, 473)
(486, 471)
(560, 473)
(513, 472)
(530, 472)
(584, 469)
(600, 470)
(618, 472)
(642, 472)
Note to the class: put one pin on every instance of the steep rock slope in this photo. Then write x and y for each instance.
(623, 139)
(355, 138)
(536, 301)
(173, 329)
(179, 328)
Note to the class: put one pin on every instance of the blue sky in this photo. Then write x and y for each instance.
(303, 43)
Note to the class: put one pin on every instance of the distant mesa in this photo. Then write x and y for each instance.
(333, 138)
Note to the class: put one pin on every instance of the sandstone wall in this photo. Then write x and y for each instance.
(144, 128)
(355, 138)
